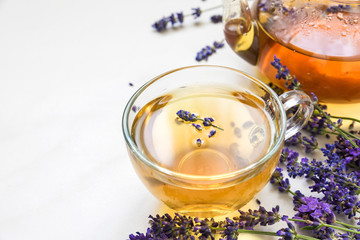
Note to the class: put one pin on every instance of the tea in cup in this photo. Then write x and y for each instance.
(206, 139)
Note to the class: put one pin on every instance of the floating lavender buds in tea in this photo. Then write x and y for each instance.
(212, 133)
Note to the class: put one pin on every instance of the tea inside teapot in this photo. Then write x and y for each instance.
(319, 41)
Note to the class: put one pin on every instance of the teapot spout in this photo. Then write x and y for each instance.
(240, 30)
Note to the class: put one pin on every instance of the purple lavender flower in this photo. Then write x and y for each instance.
(212, 133)
(310, 144)
(284, 73)
(313, 209)
(317, 124)
(208, 122)
(166, 227)
(196, 12)
(231, 230)
(191, 117)
(288, 233)
(180, 17)
(294, 140)
(278, 179)
(141, 236)
(218, 44)
(288, 156)
(160, 25)
(202, 228)
(216, 18)
(314, 98)
(197, 126)
(173, 19)
(314, 212)
(135, 108)
(349, 236)
(186, 115)
(251, 218)
(207, 51)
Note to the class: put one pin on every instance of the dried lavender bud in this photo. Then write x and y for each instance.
(207, 51)
(212, 133)
(196, 12)
(197, 126)
(251, 218)
(288, 233)
(216, 18)
(135, 108)
(310, 144)
(198, 142)
(278, 179)
(186, 116)
(161, 25)
(284, 73)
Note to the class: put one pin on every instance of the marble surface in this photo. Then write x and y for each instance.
(65, 68)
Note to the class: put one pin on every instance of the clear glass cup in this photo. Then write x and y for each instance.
(220, 193)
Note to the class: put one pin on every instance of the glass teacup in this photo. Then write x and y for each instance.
(206, 139)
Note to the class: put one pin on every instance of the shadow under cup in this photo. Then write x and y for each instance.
(206, 195)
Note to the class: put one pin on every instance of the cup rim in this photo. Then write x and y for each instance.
(133, 147)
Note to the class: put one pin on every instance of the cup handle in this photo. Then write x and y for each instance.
(303, 114)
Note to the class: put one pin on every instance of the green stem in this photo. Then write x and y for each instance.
(298, 220)
(212, 8)
(347, 181)
(257, 232)
(347, 225)
(350, 134)
(200, 119)
(340, 228)
(217, 127)
(291, 192)
(346, 118)
(342, 133)
(328, 132)
(205, 10)
(330, 226)
(298, 236)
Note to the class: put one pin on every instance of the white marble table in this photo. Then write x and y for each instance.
(65, 68)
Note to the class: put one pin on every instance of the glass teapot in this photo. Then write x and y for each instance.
(318, 40)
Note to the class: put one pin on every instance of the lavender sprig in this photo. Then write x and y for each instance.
(183, 227)
(191, 117)
(331, 177)
(207, 51)
(312, 214)
(176, 19)
(315, 214)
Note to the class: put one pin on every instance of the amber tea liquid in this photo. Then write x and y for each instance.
(322, 49)
(172, 143)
